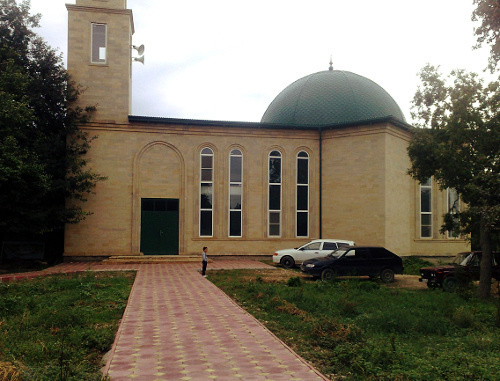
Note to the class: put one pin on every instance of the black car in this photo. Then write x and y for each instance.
(356, 260)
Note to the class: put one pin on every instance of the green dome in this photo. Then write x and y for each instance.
(331, 97)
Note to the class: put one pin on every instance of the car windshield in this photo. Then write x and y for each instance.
(337, 253)
(311, 246)
(466, 260)
(460, 258)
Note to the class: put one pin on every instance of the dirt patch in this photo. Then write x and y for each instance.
(274, 275)
(281, 275)
(407, 281)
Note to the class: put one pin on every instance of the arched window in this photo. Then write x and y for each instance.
(235, 192)
(302, 217)
(274, 194)
(206, 192)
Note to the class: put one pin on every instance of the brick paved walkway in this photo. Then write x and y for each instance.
(178, 326)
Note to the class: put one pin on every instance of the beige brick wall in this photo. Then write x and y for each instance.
(106, 85)
(144, 162)
(113, 4)
(398, 214)
(367, 195)
(353, 185)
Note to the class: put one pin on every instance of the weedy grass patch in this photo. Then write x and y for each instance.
(59, 327)
(360, 329)
(412, 265)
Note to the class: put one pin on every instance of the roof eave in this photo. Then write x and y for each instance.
(230, 124)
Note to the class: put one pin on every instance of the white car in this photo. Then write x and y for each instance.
(314, 249)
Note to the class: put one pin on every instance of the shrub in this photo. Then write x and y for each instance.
(369, 286)
(294, 282)
(413, 265)
(289, 308)
(331, 333)
(9, 371)
(463, 317)
(347, 307)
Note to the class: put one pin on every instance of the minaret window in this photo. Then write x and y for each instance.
(99, 38)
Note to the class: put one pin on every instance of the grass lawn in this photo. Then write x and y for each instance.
(59, 327)
(363, 330)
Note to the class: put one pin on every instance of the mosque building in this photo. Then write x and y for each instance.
(328, 160)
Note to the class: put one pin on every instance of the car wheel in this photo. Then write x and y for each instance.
(450, 284)
(287, 262)
(327, 274)
(387, 275)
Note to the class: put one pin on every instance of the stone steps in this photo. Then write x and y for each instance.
(152, 259)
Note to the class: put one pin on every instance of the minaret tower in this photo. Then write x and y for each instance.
(100, 56)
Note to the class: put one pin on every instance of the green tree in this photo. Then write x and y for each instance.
(488, 13)
(458, 143)
(42, 150)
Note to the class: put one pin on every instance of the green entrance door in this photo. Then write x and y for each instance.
(159, 226)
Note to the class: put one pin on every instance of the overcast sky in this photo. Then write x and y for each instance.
(227, 60)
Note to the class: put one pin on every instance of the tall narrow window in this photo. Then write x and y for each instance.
(426, 209)
(206, 192)
(235, 192)
(99, 43)
(302, 221)
(274, 194)
(453, 208)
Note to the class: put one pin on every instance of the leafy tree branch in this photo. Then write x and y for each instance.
(42, 149)
(457, 143)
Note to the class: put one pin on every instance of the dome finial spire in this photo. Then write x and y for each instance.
(331, 64)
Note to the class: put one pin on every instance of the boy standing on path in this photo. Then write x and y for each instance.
(204, 261)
